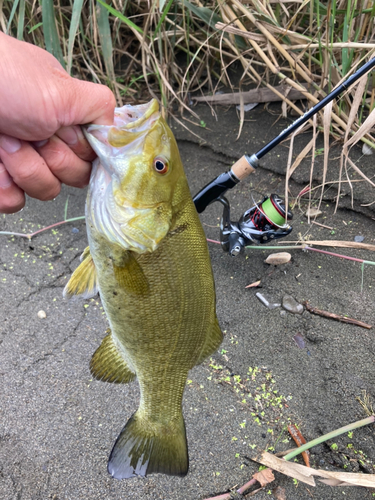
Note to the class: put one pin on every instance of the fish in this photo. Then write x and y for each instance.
(148, 259)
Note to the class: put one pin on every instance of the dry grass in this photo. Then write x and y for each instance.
(171, 49)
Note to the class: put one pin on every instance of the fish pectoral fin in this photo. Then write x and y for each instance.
(213, 340)
(108, 365)
(84, 280)
(144, 447)
(131, 277)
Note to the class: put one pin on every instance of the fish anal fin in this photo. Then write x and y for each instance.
(131, 277)
(145, 447)
(213, 340)
(108, 365)
(84, 280)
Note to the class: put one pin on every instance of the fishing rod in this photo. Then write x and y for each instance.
(268, 219)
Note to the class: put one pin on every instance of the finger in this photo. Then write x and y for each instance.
(28, 169)
(74, 138)
(87, 102)
(12, 198)
(64, 163)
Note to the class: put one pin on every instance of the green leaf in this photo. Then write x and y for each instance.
(207, 15)
(105, 37)
(211, 18)
(120, 16)
(76, 15)
(34, 28)
(166, 10)
(21, 20)
(12, 12)
(51, 37)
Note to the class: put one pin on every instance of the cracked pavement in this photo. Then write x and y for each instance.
(57, 425)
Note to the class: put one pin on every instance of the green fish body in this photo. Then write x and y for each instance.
(149, 259)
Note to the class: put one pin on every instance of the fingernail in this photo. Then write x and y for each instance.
(5, 179)
(9, 144)
(70, 135)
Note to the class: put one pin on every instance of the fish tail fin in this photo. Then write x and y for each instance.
(144, 447)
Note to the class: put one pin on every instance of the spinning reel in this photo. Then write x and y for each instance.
(263, 222)
(267, 220)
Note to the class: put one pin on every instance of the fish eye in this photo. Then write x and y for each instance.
(160, 165)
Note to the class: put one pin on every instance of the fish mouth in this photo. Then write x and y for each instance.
(130, 123)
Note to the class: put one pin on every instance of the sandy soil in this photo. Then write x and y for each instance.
(58, 425)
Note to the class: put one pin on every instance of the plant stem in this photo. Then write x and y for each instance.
(330, 435)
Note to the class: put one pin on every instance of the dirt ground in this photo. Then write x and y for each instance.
(57, 425)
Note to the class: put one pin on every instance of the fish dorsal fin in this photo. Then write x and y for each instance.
(213, 340)
(84, 280)
(130, 276)
(108, 365)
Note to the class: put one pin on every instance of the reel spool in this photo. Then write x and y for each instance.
(260, 224)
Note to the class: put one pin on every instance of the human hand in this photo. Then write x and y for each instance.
(41, 143)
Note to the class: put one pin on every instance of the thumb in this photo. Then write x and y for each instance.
(87, 102)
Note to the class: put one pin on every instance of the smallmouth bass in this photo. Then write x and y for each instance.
(149, 260)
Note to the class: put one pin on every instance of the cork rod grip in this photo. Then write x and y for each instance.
(242, 168)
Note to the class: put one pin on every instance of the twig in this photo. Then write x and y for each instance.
(321, 225)
(251, 96)
(31, 235)
(337, 317)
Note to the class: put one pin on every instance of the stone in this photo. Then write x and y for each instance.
(291, 305)
(275, 259)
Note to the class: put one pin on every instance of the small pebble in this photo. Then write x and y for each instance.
(75, 230)
(275, 259)
(291, 305)
(42, 315)
(266, 302)
(367, 150)
(359, 239)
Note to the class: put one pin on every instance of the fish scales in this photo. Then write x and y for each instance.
(149, 254)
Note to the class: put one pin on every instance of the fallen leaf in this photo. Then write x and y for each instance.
(264, 477)
(297, 436)
(305, 474)
(279, 493)
(313, 212)
(253, 285)
(298, 339)
(276, 259)
(247, 107)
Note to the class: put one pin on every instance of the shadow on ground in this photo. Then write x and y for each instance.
(58, 425)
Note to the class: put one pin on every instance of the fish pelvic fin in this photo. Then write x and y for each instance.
(213, 340)
(108, 365)
(84, 280)
(131, 277)
(145, 447)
